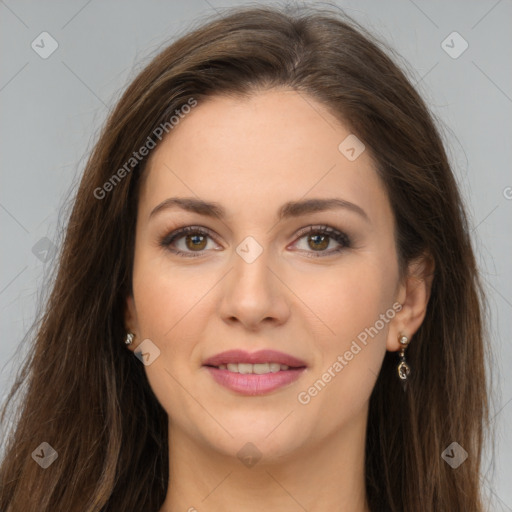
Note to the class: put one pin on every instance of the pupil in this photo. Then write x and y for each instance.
(196, 240)
(323, 241)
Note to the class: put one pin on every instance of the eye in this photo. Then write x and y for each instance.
(318, 238)
(195, 240)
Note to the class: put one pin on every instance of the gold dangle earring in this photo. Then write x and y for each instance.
(403, 368)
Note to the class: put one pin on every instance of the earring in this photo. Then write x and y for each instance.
(403, 368)
(129, 338)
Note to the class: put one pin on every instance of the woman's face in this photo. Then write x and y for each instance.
(255, 280)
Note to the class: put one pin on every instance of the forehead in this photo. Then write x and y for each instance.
(268, 148)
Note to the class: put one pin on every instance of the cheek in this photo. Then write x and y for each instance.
(355, 306)
(167, 302)
(349, 299)
(166, 297)
(169, 306)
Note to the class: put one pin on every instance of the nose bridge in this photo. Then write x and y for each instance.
(251, 272)
(252, 293)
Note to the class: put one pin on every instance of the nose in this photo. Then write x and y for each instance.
(254, 294)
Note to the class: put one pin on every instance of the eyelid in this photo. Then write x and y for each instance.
(177, 233)
(340, 237)
(329, 230)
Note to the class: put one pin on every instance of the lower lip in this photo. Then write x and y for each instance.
(253, 384)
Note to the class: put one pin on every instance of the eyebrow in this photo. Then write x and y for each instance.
(287, 210)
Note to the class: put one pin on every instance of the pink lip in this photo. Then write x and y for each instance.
(253, 384)
(262, 356)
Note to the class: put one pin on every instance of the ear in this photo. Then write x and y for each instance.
(130, 319)
(413, 294)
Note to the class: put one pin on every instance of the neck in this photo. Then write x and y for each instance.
(325, 475)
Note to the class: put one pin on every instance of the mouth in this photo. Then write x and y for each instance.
(254, 374)
(256, 369)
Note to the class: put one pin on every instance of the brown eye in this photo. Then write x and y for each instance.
(195, 242)
(319, 238)
(318, 242)
(189, 241)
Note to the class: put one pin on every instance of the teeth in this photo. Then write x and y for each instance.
(261, 368)
(258, 369)
(244, 368)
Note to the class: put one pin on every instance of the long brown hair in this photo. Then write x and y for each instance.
(89, 398)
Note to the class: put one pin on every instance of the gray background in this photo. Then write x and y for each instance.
(53, 108)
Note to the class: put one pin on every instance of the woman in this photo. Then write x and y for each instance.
(267, 297)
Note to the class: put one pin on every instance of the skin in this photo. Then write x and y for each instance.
(251, 156)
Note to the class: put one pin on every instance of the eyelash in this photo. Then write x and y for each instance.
(334, 234)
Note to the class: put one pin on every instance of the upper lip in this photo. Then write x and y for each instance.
(261, 356)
